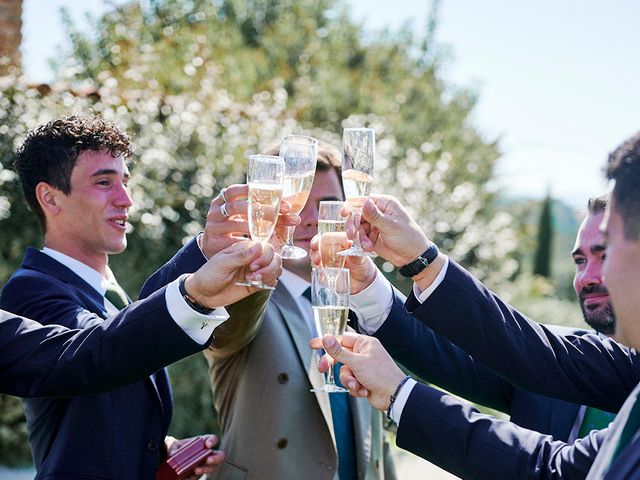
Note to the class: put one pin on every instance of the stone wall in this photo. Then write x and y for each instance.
(10, 31)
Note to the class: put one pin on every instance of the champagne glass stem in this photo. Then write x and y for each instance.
(357, 214)
(330, 377)
(288, 241)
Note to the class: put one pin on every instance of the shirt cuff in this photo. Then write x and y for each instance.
(401, 400)
(373, 304)
(422, 296)
(197, 325)
(199, 244)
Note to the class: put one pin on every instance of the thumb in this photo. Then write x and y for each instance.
(241, 254)
(372, 214)
(332, 347)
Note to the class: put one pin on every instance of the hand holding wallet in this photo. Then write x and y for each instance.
(184, 461)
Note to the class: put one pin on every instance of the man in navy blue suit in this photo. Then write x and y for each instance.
(586, 368)
(74, 177)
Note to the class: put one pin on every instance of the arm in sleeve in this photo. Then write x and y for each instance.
(455, 436)
(581, 369)
(39, 361)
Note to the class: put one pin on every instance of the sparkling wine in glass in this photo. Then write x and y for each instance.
(300, 154)
(265, 176)
(330, 312)
(358, 156)
(332, 235)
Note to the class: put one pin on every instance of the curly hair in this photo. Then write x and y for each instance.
(624, 167)
(49, 153)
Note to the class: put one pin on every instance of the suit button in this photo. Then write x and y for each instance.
(377, 464)
(283, 378)
(152, 446)
(282, 443)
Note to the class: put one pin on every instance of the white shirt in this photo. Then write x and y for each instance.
(372, 307)
(190, 321)
(296, 286)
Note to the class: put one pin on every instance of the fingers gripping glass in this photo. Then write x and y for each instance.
(330, 303)
(265, 176)
(358, 156)
(300, 154)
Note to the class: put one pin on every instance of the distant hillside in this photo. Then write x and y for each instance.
(566, 221)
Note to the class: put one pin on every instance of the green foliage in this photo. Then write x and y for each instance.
(542, 264)
(14, 449)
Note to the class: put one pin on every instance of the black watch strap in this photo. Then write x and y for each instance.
(419, 264)
(190, 301)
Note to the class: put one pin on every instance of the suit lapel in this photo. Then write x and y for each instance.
(94, 302)
(41, 262)
(297, 327)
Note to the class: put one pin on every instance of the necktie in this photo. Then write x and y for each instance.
(594, 419)
(115, 294)
(629, 429)
(342, 424)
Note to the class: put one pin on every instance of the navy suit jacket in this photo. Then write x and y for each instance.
(115, 435)
(438, 361)
(585, 369)
(39, 361)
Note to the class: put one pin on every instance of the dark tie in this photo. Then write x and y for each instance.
(342, 424)
(629, 429)
(115, 294)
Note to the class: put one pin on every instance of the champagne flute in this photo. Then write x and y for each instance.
(332, 235)
(300, 154)
(358, 156)
(265, 176)
(330, 312)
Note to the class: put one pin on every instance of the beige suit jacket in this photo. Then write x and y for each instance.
(272, 426)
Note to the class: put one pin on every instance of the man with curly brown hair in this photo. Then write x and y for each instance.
(74, 176)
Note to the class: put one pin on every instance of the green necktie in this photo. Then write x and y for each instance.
(115, 294)
(594, 419)
(629, 429)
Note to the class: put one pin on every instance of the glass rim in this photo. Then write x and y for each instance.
(353, 129)
(334, 269)
(267, 158)
(331, 202)
(311, 140)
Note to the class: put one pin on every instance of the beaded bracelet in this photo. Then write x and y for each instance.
(393, 397)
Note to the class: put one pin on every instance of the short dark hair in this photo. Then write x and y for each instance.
(597, 205)
(624, 167)
(49, 153)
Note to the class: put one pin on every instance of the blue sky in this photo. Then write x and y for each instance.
(556, 81)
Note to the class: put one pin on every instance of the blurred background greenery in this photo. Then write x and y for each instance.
(201, 84)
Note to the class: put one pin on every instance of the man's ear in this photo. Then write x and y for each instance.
(48, 198)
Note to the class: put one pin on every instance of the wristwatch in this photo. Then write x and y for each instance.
(419, 264)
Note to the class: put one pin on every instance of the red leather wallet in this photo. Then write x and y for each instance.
(184, 461)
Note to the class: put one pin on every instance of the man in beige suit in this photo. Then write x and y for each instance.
(273, 427)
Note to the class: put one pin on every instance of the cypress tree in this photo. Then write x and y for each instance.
(542, 263)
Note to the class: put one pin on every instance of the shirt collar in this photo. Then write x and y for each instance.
(84, 271)
(293, 283)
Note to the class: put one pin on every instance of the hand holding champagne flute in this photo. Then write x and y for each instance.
(330, 312)
(300, 155)
(358, 156)
(265, 176)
